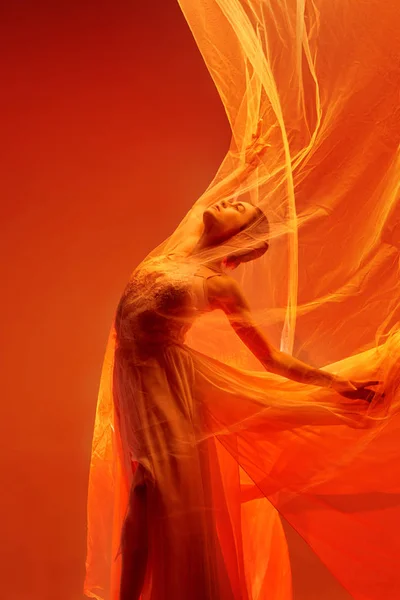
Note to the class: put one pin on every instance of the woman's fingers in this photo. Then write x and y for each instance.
(257, 147)
(372, 382)
(258, 130)
(359, 394)
(363, 393)
(367, 383)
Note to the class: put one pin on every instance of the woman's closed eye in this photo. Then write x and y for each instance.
(240, 207)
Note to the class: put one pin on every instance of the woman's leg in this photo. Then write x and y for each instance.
(134, 542)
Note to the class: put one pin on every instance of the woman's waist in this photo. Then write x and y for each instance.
(147, 347)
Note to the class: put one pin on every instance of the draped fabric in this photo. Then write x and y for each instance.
(226, 446)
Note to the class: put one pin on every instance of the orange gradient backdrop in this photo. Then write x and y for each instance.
(94, 95)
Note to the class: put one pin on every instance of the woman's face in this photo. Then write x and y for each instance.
(226, 218)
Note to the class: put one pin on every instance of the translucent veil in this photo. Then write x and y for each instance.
(325, 79)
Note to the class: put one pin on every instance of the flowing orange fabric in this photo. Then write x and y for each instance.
(227, 447)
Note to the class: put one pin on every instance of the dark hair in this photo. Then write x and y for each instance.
(259, 228)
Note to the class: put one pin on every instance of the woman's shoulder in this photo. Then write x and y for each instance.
(223, 287)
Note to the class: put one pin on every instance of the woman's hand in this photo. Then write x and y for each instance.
(355, 390)
(230, 184)
(257, 148)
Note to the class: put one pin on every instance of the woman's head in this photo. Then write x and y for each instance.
(226, 218)
(239, 225)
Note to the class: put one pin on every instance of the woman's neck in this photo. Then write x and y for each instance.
(202, 244)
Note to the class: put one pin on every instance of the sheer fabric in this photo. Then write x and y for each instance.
(225, 446)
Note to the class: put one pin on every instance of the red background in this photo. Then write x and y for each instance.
(111, 129)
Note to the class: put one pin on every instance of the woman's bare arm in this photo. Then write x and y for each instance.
(229, 186)
(225, 293)
(253, 155)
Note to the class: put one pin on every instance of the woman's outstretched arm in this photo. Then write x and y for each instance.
(253, 154)
(225, 293)
(229, 186)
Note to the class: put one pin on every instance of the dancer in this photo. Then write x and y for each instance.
(208, 427)
(155, 312)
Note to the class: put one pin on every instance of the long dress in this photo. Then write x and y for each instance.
(222, 446)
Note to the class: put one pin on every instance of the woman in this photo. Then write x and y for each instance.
(158, 386)
(192, 451)
(176, 410)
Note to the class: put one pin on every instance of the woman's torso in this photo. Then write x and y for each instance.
(160, 302)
